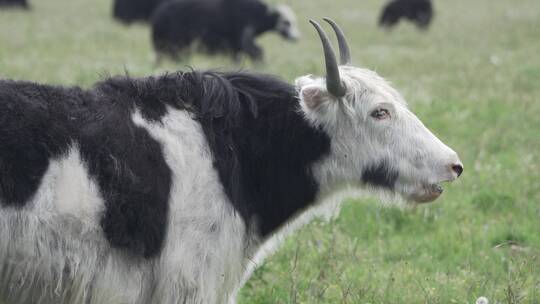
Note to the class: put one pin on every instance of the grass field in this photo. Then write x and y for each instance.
(473, 78)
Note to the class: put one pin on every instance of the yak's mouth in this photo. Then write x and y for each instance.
(427, 193)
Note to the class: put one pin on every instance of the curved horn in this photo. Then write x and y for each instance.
(333, 80)
(344, 50)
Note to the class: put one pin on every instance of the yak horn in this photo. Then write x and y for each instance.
(333, 80)
(344, 50)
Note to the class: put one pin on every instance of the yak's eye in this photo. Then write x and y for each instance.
(380, 114)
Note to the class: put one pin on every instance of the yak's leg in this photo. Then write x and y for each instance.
(248, 45)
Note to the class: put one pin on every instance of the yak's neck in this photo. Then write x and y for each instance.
(268, 173)
(263, 148)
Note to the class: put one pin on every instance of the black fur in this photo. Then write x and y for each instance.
(15, 3)
(263, 148)
(129, 11)
(418, 11)
(226, 26)
(380, 175)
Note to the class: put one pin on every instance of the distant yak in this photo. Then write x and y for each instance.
(129, 11)
(222, 26)
(419, 12)
(14, 3)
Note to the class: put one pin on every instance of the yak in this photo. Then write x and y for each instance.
(129, 11)
(15, 3)
(419, 12)
(171, 189)
(218, 26)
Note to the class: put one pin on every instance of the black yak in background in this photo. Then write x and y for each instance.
(129, 11)
(419, 12)
(14, 3)
(218, 26)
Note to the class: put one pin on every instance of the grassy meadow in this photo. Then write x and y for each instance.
(473, 78)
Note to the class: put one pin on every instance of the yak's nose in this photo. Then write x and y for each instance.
(458, 168)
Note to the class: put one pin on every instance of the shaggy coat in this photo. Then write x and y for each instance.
(420, 12)
(216, 26)
(14, 3)
(140, 197)
(172, 189)
(129, 11)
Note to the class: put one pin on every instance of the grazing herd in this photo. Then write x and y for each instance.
(230, 27)
(225, 26)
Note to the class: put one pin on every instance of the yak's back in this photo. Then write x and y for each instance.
(34, 127)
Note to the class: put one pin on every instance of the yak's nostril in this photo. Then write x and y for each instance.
(458, 169)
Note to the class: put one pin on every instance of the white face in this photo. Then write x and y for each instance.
(375, 138)
(287, 25)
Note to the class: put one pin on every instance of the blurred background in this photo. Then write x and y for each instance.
(473, 77)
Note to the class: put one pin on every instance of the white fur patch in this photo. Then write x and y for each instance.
(205, 252)
(75, 193)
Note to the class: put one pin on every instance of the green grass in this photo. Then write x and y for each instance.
(473, 78)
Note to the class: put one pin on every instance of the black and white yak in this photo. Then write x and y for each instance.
(14, 3)
(218, 26)
(171, 189)
(419, 12)
(129, 11)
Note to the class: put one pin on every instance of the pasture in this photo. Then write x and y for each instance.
(473, 78)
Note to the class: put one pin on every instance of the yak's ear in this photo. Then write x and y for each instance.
(313, 96)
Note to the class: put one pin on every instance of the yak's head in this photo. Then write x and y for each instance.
(286, 24)
(376, 139)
